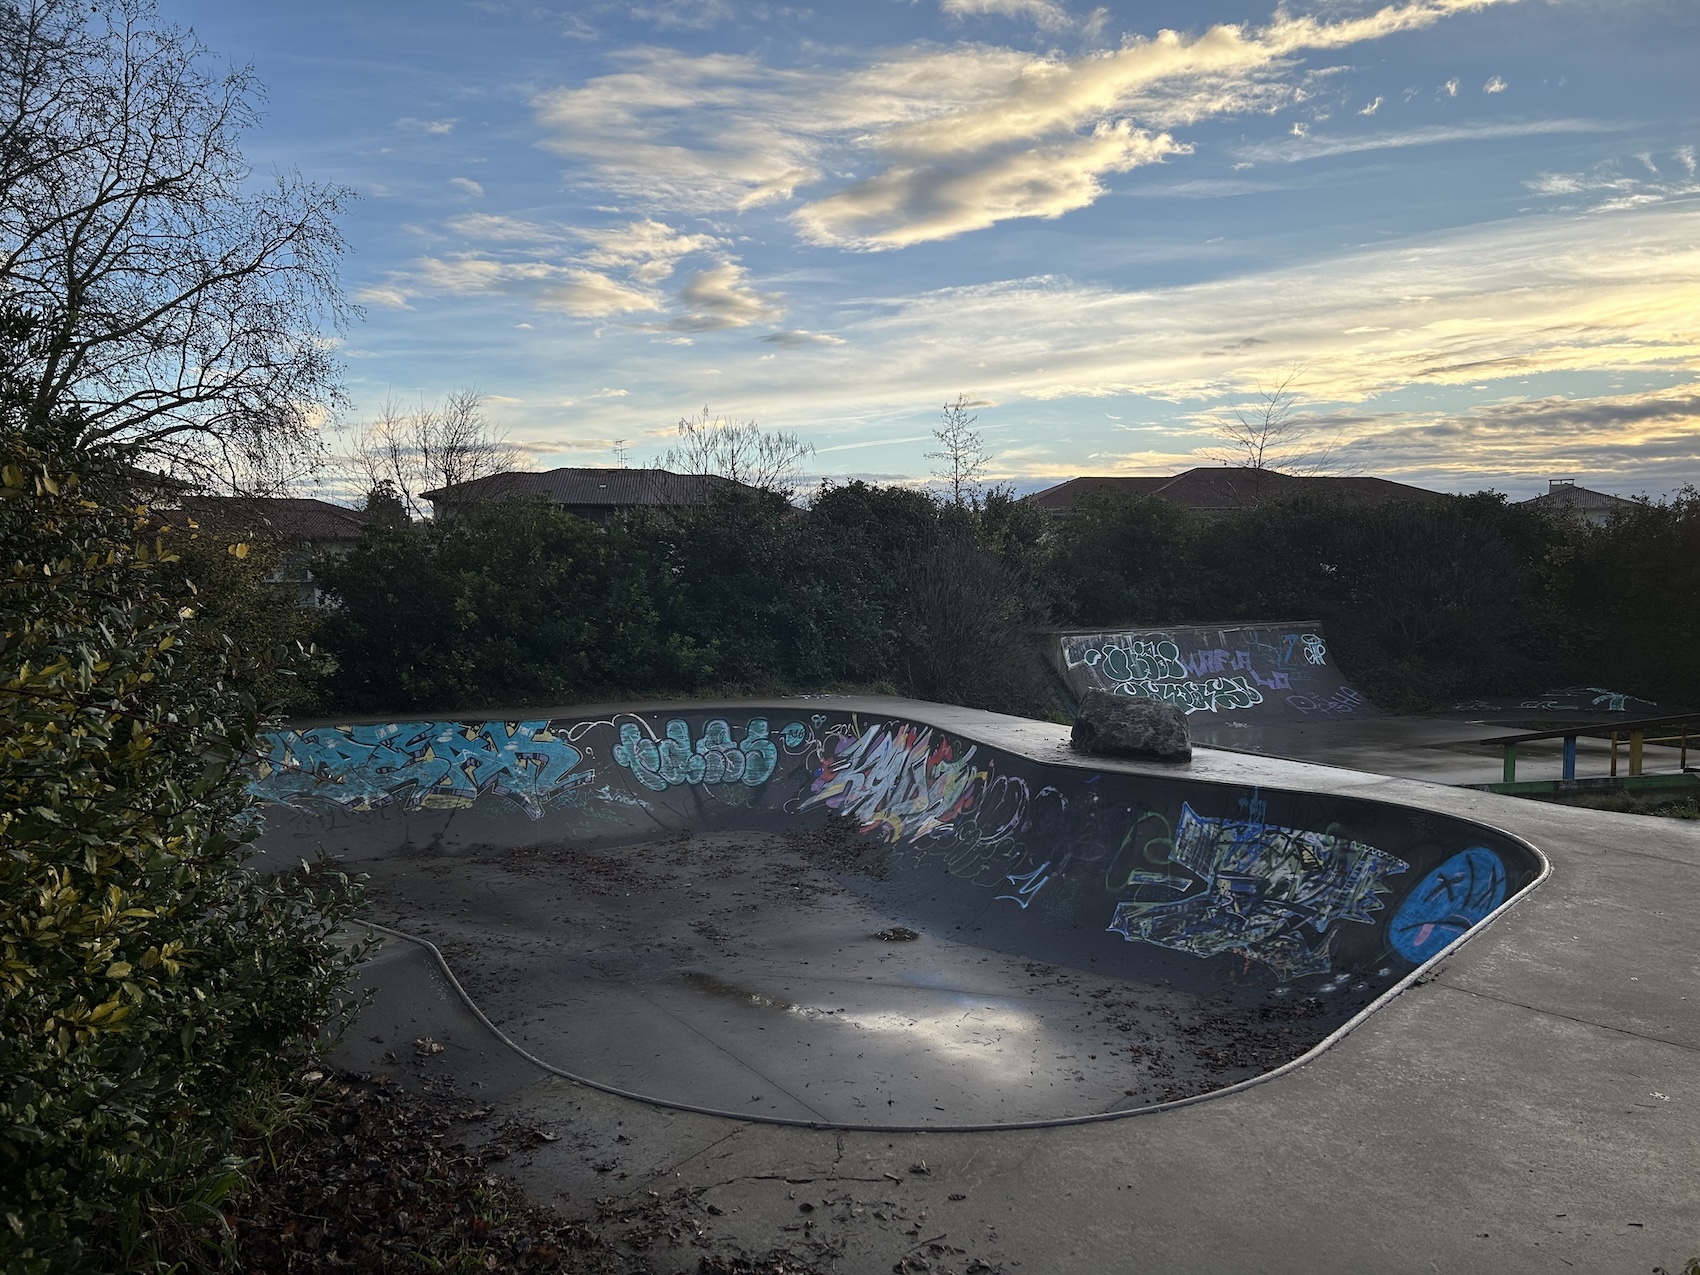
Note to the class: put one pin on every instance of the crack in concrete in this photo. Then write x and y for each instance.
(1570, 1018)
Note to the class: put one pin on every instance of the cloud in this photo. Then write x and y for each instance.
(798, 337)
(606, 392)
(721, 297)
(1321, 147)
(1044, 14)
(926, 143)
(1494, 85)
(916, 203)
(467, 186)
(570, 289)
(647, 248)
(1450, 88)
(385, 296)
(1608, 188)
(494, 227)
(675, 15)
(1374, 106)
(408, 124)
(1392, 340)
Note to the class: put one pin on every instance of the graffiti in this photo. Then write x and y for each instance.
(1345, 700)
(1196, 697)
(1136, 661)
(714, 759)
(431, 765)
(1254, 886)
(1027, 885)
(1448, 901)
(1316, 651)
(906, 783)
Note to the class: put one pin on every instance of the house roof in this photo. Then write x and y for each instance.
(286, 517)
(621, 488)
(1569, 496)
(1212, 488)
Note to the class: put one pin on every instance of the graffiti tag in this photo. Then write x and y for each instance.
(714, 758)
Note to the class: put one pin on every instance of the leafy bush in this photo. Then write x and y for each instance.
(518, 603)
(150, 985)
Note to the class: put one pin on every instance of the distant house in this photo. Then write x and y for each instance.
(1596, 507)
(302, 528)
(1223, 489)
(593, 494)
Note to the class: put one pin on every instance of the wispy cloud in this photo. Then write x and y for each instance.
(1495, 84)
(408, 124)
(467, 186)
(1044, 14)
(1324, 145)
(1608, 188)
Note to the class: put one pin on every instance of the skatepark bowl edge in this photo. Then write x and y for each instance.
(867, 915)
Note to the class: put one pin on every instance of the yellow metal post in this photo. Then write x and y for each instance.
(1635, 752)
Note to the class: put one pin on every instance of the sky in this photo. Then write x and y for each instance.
(1465, 234)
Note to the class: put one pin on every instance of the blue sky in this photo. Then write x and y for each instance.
(1468, 229)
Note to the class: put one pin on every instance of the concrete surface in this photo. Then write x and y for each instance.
(1532, 1105)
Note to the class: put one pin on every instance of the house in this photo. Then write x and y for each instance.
(595, 495)
(302, 528)
(1595, 507)
(1222, 489)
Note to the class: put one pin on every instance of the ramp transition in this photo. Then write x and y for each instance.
(1245, 674)
(833, 918)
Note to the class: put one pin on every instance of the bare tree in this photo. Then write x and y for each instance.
(414, 452)
(962, 455)
(1268, 435)
(177, 306)
(740, 450)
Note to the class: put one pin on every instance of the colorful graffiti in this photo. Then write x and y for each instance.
(416, 765)
(1448, 901)
(906, 783)
(1254, 886)
(713, 759)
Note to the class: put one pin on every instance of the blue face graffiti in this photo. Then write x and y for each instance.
(1455, 896)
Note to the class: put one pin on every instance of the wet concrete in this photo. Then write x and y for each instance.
(745, 974)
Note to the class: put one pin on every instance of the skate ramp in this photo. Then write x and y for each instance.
(833, 918)
(1222, 675)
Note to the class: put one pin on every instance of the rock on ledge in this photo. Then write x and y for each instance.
(1128, 726)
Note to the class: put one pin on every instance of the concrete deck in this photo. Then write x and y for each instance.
(1533, 1105)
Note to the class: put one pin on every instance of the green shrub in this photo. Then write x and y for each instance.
(150, 985)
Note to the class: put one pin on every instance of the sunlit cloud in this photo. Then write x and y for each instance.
(958, 139)
(1495, 84)
(467, 186)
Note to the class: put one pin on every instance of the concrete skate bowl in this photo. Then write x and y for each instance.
(1224, 676)
(836, 919)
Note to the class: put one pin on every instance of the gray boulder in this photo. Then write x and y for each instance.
(1131, 726)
